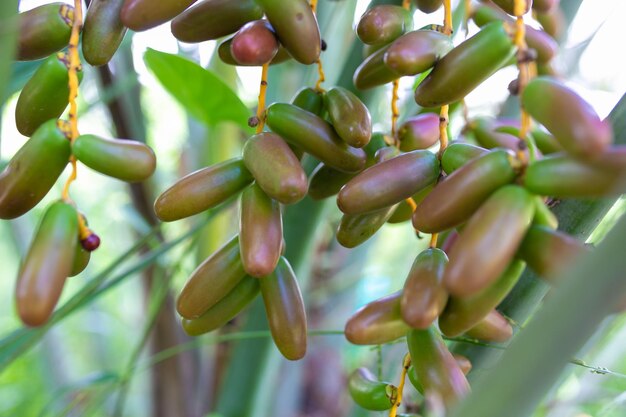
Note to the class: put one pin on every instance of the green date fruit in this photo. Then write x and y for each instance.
(349, 116)
(103, 31)
(34, 169)
(383, 24)
(44, 30)
(370, 393)
(377, 323)
(140, 15)
(47, 264)
(127, 160)
(493, 328)
(417, 51)
(419, 132)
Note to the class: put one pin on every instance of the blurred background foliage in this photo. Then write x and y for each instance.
(115, 347)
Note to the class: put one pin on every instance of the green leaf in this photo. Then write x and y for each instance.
(204, 95)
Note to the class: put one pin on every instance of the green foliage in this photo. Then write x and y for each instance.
(202, 93)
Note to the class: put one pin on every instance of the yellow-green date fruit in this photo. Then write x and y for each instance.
(45, 96)
(572, 121)
(374, 72)
(202, 190)
(44, 30)
(461, 314)
(435, 367)
(47, 264)
(224, 310)
(296, 28)
(489, 241)
(383, 24)
(355, 229)
(389, 182)
(212, 280)
(424, 296)
(315, 136)
(103, 31)
(127, 160)
(377, 323)
(458, 154)
(213, 19)
(461, 71)
(285, 311)
(563, 177)
(370, 393)
(349, 116)
(34, 169)
(260, 232)
(140, 15)
(457, 197)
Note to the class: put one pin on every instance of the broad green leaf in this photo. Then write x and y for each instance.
(205, 96)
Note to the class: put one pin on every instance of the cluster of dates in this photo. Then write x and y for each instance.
(62, 243)
(484, 195)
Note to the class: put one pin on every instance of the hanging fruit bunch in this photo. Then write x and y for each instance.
(63, 241)
(487, 195)
(484, 199)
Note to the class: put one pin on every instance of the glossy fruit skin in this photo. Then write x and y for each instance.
(458, 73)
(435, 367)
(310, 100)
(417, 51)
(33, 170)
(47, 264)
(461, 314)
(383, 24)
(464, 364)
(553, 22)
(544, 44)
(563, 177)
(202, 190)
(212, 280)
(260, 232)
(546, 143)
(103, 31)
(213, 19)
(224, 310)
(44, 30)
(389, 182)
(45, 96)
(225, 54)
(424, 296)
(275, 167)
(457, 155)
(457, 197)
(285, 311)
(550, 252)
(493, 328)
(419, 132)
(486, 133)
(326, 182)
(254, 44)
(127, 160)
(374, 72)
(369, 393)
(509, 6)
(314, 135)
(355, 229)
(349, 116)
(296, 28)
(81, 260)
(489, 241)
(377, 323)
(140, 15)
(572, 121)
